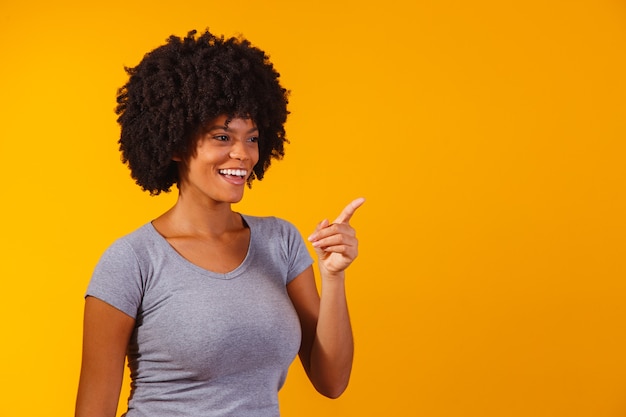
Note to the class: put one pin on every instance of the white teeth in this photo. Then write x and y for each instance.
(235, 172)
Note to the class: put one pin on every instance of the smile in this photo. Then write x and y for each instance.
(234, 172)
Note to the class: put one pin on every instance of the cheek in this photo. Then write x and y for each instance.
(214, 155)
(254, 155)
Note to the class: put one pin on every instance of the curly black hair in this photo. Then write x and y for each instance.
(181, 86)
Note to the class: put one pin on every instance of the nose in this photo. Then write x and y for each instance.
(239, 151)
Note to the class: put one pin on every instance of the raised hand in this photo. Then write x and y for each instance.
(336, 243)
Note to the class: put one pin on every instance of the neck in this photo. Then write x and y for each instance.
(190, 217)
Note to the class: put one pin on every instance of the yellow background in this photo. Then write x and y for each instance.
(487, 136)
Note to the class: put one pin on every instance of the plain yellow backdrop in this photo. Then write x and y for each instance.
(487, 136)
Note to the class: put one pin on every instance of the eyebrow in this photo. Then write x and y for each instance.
(226, 128)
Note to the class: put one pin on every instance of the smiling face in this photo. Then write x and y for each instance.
(225, 154)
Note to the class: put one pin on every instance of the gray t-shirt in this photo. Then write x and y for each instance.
(206, 344)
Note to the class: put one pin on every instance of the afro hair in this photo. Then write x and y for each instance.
(181, 86)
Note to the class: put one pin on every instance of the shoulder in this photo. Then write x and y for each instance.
(274, 233)
(120, 276)
(277, 239)
(271, 226)
(132, 246)
(138, 237)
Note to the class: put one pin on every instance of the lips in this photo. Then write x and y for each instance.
(235, 176)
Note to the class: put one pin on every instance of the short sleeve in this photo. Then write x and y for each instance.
(117, 279)
(298, 255)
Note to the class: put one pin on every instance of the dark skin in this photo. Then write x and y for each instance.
(205, 230)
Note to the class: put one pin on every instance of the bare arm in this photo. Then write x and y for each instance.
(327, 348)
(327, 344)
(106, 332)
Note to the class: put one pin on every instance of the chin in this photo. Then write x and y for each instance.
(235, 199)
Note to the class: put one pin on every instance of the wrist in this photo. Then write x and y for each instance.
(332, 276)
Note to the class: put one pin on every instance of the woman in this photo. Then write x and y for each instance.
(211, 306)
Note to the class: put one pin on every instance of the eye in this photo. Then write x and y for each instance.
(221, 138)
(253, 139)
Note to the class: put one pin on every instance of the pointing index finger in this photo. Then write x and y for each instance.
(348, 211)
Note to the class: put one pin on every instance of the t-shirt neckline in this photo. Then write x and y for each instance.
(188, 264)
